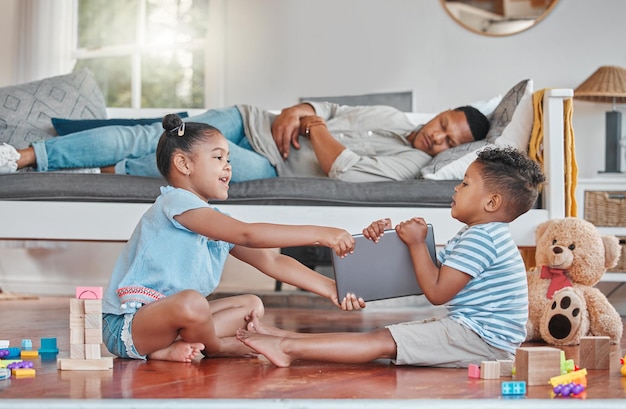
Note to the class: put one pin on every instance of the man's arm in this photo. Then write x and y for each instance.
(325, 146)
(286, 127)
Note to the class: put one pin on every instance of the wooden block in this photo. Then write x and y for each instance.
(77, 335)
(92, 351)
(93, 306)
(93, 321)
(506, 367)
(536, 365)
(77, 321)
(595, 352)
(77, 351)
(473, 371)
(489, 370)
(77, 307)
(93, 335)
(101, 364)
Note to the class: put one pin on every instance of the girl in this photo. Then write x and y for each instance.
(155, 305)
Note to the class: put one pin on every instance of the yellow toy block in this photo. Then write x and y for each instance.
(23, 372)
(579, 377)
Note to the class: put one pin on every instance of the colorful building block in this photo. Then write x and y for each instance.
(13, 352)
(4, 374)
(48, 346)
(27, 344)
(29, 354)
(23, 372)
(579, 377)
(89, 293)
(513, 388)
(473, 371)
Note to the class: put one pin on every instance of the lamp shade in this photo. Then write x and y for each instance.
(607, 84)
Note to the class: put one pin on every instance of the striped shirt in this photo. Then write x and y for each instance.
(494, 303)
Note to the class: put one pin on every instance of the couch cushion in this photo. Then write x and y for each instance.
(26, 109)
(58, 186)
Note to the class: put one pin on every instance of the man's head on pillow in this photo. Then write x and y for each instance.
(449, 129)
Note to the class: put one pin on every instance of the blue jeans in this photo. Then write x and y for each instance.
(132, 148)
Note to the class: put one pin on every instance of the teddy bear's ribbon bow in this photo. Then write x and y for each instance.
(557, 278)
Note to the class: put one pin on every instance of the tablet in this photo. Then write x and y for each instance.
(377, 271)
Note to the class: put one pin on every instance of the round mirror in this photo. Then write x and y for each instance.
(498, 17)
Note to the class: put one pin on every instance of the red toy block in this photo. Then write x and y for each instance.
(473, 371)
(89, 293)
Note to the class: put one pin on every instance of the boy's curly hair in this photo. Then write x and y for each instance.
(514, 175)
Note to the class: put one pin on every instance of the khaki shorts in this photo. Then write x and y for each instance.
(441, 342)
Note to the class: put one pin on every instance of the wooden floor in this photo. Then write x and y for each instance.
(229, 381)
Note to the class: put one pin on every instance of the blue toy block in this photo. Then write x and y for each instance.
(5, 373)
(14, 352)
(48, 346)
(27, 344)
(513, 388)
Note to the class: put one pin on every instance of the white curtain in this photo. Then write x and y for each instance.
(47, 38)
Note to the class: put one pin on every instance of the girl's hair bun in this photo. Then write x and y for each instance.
(171, 121)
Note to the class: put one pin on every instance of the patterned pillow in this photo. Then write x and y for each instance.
(452, 163)
(503, 113)
(26, 109)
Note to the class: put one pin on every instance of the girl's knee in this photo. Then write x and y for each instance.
(192, 304)
(253, 303)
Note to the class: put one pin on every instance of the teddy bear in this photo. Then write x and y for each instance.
(571, 256)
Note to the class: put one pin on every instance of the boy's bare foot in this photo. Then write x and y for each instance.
(178, 351)
(268, 345)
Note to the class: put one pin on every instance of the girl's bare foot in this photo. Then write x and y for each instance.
(231, 348)
(179, 351)
(268, 345)
(255, 325)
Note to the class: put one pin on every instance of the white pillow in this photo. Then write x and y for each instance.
(517, 132)
(456, 170)
(510, 126)
(487, 106)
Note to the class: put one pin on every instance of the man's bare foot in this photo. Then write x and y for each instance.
(268, 345)
(178, 351)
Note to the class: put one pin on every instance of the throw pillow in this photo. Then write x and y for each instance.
(502, 118)
(503, 113)
(517, 132)
(452, 163)
(26, 109)
(64, 126)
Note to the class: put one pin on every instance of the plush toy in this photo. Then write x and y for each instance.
(571, 256)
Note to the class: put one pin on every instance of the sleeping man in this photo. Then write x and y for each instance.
(312, 139)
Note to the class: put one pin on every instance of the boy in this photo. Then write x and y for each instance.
(480, 278)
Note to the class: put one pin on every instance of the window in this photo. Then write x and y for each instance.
(145, 53)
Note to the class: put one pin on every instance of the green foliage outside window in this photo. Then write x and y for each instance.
(159, 44)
